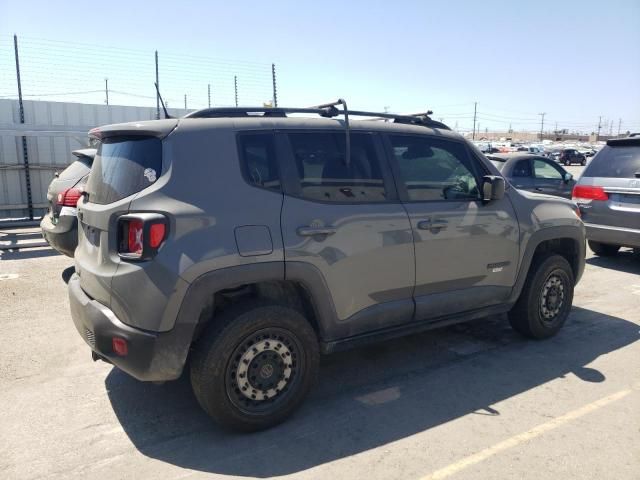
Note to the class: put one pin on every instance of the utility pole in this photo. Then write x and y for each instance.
(157, 90)
(235, 87)
(475, 110)
(25, 151)
(185, 101)
(275, 88)
(619, 125)
(556, 130)
(209, 94)
(542, 124)
(611, 128)
(106, 91)
(599, 126)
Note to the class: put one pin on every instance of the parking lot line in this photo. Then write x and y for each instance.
(482, 455)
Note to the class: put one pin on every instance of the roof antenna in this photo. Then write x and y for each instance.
(166, 114)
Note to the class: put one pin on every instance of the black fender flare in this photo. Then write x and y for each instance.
(571, 232)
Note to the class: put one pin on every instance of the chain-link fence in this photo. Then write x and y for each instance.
(52, 93)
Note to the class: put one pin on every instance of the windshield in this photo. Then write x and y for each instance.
(124, 166)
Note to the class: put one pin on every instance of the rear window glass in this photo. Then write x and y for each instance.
(124, 166)
(76, 170)
(618, 162)
(324, 175)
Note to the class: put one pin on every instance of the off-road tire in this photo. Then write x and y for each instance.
(223, 361)
(530, 314)
(603, 249)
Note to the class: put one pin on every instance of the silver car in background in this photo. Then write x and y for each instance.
(608, 194)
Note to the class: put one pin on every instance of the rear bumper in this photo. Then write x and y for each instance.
(151, 356)
(626, 237)
(63, 235)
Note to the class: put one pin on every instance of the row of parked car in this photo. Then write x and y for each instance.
(241, 244)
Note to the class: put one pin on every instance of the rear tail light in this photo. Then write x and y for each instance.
(140, 235)
(586, 193)
(69, 197)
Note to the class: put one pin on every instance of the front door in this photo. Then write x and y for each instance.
(549, 178)
(466, 251)
(345, 221)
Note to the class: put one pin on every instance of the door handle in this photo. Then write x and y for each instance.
(539, 189)
(310, 231)
(432, 225)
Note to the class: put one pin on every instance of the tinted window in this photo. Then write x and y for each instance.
(434, 169)
(620, 162)
(325, 175)
(522, 169)
(259, 160)
(76, 170)
(546, 170)
(124, 166)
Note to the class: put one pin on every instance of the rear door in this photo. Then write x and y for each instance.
(617, 170)
(123, 166)
(344, 220)
(466, 251)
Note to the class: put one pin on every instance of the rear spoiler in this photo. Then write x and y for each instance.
(149, 128)
(623, 142)
(85, 152)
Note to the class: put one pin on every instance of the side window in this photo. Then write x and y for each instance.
(434, 169)
(257, 153)
(546, 170)
(522, 169)
(325, 175)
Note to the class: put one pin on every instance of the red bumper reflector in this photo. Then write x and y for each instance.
(120, 346)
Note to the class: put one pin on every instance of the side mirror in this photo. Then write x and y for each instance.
(492, 188)
(567, 177)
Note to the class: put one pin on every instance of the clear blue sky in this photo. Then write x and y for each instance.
(574, 60)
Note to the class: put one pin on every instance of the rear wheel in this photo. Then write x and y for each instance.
(603, 249)
(567, 163)
(256, 367)
(545, 300)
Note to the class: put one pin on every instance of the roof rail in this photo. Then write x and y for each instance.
(327, 110)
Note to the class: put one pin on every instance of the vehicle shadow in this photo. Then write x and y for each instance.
(27, 253)
(625, 261)
(369, 397)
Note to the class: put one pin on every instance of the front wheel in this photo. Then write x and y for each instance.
(583, 162)
(545, 300)
(255, 366)
(567, 163)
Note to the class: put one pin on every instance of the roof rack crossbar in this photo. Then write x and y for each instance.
(327, 110)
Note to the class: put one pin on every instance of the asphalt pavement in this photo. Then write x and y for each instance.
(473, 401)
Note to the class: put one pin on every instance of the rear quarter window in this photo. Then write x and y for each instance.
(124, 166)
(615, 162)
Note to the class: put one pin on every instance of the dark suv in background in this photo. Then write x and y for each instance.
(244, 242)
(608, 194)
(569, 156)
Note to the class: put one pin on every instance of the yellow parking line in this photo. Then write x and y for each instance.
(482, 455)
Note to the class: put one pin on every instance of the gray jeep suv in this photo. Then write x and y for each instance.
(245, 242)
